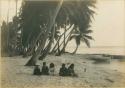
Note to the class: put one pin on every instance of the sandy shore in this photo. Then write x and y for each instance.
(103, 75)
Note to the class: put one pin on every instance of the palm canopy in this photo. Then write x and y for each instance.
(35, 16)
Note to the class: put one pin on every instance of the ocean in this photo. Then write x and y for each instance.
(112, 50)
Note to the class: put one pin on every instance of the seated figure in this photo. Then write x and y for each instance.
(51, 69)
(36, 70)
(71, 71)
(45, 70)
(63, 70)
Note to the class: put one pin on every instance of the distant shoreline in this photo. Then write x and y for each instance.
(113, 56)
(99, 50)
(103, 55)
(99, 72)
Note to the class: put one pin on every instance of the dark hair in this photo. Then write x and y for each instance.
(71, 66)
(51, 65)
(63, 65)
(44, 63)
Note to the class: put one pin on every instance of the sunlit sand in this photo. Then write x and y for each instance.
(16, 75)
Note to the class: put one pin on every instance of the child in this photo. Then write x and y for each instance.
(71, 71)
(45, 70)
(63, 70)
(36, 70)
(51, 69)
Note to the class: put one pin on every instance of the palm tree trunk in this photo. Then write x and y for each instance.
(8, 34)
(59, 52)
(68, 38)
(47, 49)
(61, 44)
(56, 45)
(34, 43)
(35, 57)
(74, 52)
(25, 53)
(64, 41)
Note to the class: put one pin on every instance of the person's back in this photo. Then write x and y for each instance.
(71, 71)
(51, 69)
(45, 70)
(36, 70)
(63, 70)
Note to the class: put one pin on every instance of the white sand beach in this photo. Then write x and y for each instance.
(102, 75)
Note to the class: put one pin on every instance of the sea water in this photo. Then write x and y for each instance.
(112, 50)
(115, 64)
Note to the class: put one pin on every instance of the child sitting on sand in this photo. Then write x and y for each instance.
(45, 70)
(71, 72)
(51, 69)
(63, 70)
(36, 70)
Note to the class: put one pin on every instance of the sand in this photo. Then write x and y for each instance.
(103, 75)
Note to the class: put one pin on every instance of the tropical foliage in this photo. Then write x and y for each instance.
(48, 26)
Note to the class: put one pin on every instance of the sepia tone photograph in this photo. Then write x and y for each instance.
(62, 43)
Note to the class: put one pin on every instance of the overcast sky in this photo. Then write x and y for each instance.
(108, 26)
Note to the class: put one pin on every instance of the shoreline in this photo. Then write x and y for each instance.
(15, 74)
(115, 56)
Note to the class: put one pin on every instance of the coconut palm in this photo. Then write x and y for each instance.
(84, 37)
(35, 20)
(34, 58)
(4, 32)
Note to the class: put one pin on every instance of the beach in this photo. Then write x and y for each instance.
(103, 75)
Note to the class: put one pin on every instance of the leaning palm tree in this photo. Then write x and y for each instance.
(80, 16)
(34, 58)
(36, 21)
(84, 37)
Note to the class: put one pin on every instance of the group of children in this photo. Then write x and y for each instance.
(64, 71)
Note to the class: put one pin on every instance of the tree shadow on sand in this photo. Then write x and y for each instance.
(101, 61)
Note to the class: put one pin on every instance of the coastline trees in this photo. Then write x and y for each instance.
(48, 26)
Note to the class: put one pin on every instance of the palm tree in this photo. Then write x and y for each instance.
(8, 27)
(84, 37)
(4, 39)
(36, 21)
(35, 57)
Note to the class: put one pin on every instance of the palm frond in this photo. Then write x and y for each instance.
(73, 36)
(88, 37)
(86, 42)
(87, 31)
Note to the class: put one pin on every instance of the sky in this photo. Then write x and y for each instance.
(108, 26)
